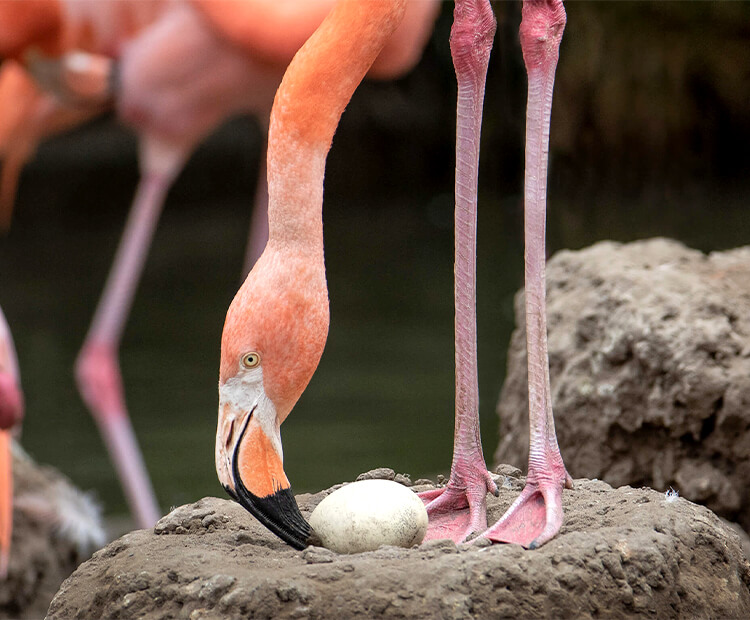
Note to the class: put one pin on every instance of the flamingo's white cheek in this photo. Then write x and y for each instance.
(365, 515)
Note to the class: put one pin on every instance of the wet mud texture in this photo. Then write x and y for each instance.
(620, 553)
(650, 369)
(55, 528)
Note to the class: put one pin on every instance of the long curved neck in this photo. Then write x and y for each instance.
(309, 102)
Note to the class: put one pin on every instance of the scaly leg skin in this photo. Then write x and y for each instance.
(537, 515)
(459, 509)
(97, 368)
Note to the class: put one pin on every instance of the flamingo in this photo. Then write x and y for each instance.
(11, 413)
(459, 509)
(27, 116)
(183, 67)
(277, 324)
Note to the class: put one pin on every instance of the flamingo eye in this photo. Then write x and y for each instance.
(250, 360)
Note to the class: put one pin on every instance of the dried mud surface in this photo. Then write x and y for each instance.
(650, 370)
(621, 553)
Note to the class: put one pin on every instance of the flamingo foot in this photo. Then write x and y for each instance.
(460, 508)
(536, 516)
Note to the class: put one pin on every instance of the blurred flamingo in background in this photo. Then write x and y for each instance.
(181, 69)
(277, 324)
(11, 413)
(53, 512)
(28, 115)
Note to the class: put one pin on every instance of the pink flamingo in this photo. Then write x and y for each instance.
(277, 325)
(11, 413)
(183, 68)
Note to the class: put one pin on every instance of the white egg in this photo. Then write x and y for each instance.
(365, 515)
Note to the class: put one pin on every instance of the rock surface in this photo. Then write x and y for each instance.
(621, 552)
(55, 528)
(650, 369)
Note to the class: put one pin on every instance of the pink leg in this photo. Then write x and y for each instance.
(460, 508)
(97, 368)
(536, 516)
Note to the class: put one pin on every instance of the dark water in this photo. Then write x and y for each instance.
(383, 394)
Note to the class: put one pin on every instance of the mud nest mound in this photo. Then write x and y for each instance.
(620, 552)
(650, 370)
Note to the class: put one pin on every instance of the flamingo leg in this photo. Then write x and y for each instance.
(6, 501)
(97, 368)
(536, 516)
(459, 509)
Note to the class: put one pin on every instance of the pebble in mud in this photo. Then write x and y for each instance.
(368, 514)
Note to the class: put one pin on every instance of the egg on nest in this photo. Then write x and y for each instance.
(368, 514)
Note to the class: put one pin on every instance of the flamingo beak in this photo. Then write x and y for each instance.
(252, 473)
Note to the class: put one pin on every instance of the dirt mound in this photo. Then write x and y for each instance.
(650, 369)
(620, 552)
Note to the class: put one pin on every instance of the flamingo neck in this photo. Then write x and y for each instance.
(312, 96)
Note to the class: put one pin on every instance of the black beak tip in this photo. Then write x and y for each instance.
(278, 512)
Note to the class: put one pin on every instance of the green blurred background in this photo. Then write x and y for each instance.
(650, 135)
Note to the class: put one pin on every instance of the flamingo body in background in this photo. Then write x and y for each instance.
(180, 73)
(277, 324)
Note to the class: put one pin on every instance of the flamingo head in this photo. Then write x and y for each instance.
(273, 338)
